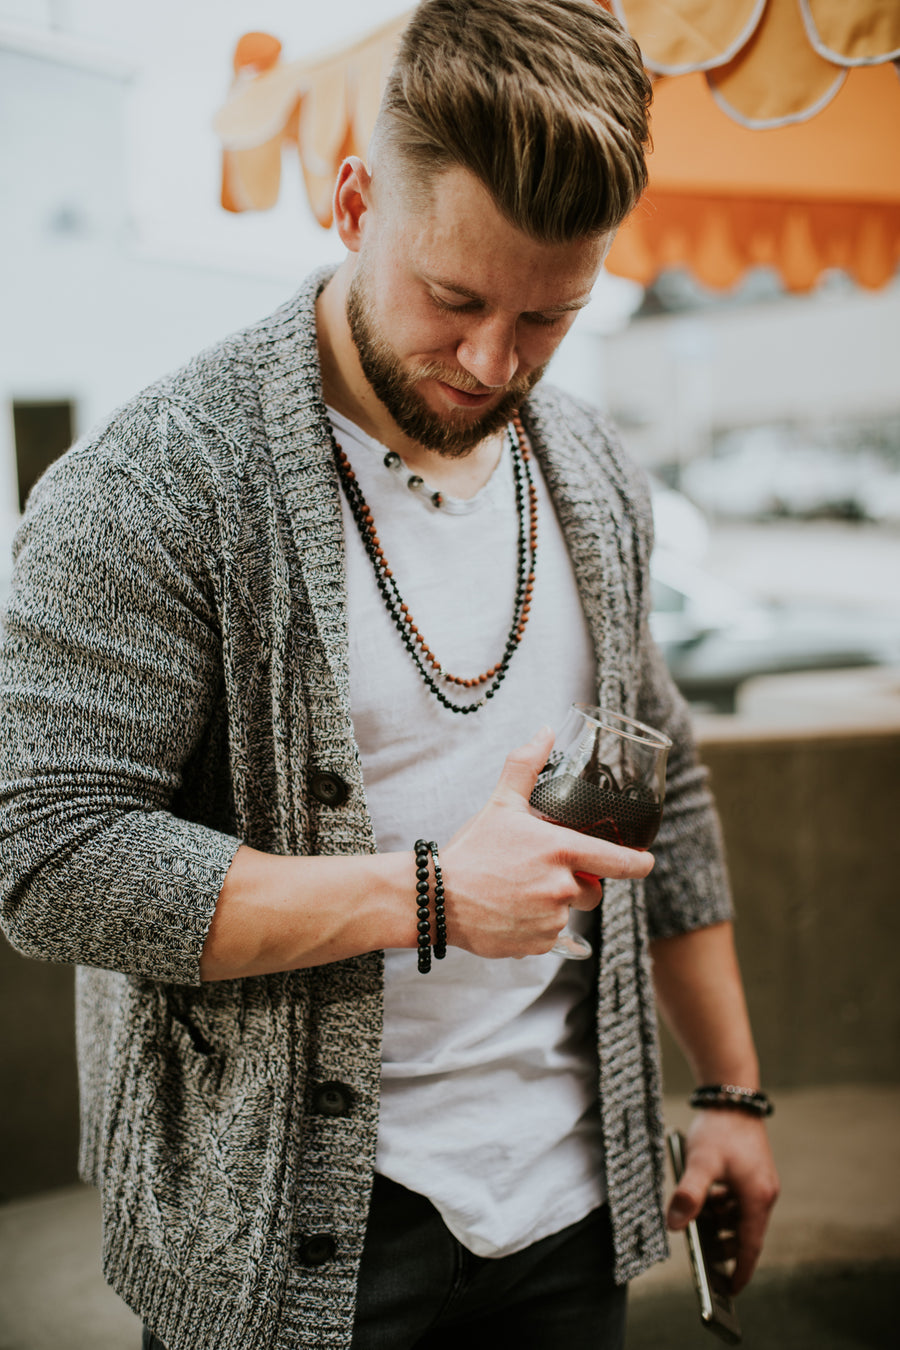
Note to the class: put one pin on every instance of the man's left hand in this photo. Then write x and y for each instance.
(732, 1149)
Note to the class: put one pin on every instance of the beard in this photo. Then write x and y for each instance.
(452, 434)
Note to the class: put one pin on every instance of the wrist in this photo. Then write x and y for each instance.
(392, 899)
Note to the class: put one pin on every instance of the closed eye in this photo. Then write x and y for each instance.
(545, 320)
(455, 307)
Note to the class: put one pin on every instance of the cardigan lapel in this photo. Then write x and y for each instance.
(287, 363)
(586, 480)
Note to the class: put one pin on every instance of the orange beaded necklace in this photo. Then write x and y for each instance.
(436, 678)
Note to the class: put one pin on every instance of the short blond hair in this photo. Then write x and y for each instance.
(546, 102)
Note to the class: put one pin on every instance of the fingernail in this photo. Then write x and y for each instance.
(540, 735)
(678, 1216)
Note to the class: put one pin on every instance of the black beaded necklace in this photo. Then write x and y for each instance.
(426, 662)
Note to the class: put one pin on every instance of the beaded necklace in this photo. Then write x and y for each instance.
(423, 657)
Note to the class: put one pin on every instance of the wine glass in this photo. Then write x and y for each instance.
(606, 777)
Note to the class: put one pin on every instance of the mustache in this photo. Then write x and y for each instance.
(467, 384)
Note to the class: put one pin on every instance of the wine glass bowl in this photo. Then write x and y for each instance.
(605, 777)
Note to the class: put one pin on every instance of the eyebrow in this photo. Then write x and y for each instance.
(446, 284)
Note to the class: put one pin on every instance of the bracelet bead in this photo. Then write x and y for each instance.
(440, 918)
(423, 940)
(728, 1097)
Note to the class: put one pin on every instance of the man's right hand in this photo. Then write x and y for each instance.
(509, 881)
(510, 878)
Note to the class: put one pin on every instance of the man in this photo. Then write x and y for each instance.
(223, 730)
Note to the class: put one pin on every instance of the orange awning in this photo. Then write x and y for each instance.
(819, 194)
(776, 128)
(768, 62)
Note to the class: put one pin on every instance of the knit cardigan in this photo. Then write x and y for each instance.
(173, 675)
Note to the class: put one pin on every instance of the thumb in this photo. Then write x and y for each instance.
(686, 1203)
(521, 769)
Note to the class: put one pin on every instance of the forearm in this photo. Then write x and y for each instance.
(701, 997)
(284, 913)
(509, 882)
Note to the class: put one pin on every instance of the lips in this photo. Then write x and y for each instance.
(462, 399)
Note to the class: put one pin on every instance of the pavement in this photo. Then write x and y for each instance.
(826, 1282)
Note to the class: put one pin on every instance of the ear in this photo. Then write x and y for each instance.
(352, 200)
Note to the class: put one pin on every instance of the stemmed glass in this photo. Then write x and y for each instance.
(606, 777)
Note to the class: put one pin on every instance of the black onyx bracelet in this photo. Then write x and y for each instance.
(423, 919)
(424, 922)
(440, 918)
(718, 1096)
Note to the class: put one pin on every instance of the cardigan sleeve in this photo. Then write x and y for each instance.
(110, 669)
(688, 887)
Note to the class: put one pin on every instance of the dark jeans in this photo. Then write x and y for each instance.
(420, 1289)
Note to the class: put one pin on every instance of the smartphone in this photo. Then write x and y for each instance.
(717, 1310)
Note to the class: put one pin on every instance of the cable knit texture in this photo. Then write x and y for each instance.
(173, 671)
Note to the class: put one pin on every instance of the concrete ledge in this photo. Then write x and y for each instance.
(812, 703)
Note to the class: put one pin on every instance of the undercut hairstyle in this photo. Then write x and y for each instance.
(546, 102)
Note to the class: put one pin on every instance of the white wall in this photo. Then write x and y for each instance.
(86, 315)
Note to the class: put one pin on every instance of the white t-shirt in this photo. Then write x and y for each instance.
(489, 1077)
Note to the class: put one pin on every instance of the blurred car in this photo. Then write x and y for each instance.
(714, 637)
(770, 471)
(678, 524)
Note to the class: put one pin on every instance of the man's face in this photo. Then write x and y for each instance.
(455, 313)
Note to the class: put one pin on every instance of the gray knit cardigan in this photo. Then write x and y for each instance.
(172, 674)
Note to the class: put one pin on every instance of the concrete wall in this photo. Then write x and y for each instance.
(38, 1082)
(810, 822)
(88, 316)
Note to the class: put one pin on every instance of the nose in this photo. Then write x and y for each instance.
(488, 351)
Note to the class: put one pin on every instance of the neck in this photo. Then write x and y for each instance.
(347, 390)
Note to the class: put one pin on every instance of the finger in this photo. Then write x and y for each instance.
(590, 893)
(750, 1234)
(521, 769)
(749, 1249)
(689, 1196)
(599, 858)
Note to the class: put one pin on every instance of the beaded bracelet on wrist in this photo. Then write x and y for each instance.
(423, 924)
(725, 1096)
(440, 917)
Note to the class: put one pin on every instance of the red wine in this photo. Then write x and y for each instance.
(629, 818)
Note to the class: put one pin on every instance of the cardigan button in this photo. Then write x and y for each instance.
(332, 1099)
(328, 788)
(317, 1249)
